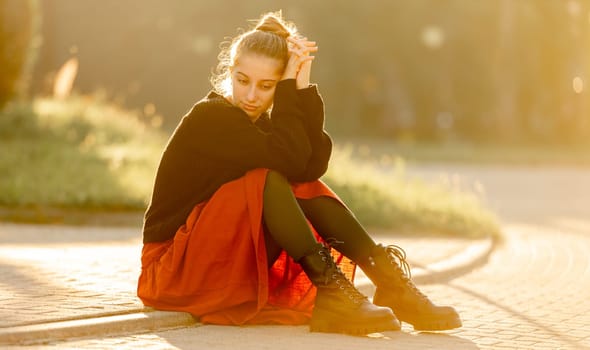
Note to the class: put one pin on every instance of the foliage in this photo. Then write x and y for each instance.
(19, 21)
(78, 152)
(498, 71)
(477, 71)
(388, 198)
(85, 154)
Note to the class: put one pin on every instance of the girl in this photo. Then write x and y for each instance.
(240, 230)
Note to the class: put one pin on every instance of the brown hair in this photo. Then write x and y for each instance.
(267, 38)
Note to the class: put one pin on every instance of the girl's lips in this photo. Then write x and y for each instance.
(249, 107)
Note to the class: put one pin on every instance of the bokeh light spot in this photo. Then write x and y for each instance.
(578, 85)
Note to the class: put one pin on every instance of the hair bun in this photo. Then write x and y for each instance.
(273, 23)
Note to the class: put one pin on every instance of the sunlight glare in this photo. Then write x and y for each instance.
(574, 8)
(149, 109)
(433, 37)
(64, 79)
(578, 85)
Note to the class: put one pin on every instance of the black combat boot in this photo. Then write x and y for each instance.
(388, 269)
(339, 306)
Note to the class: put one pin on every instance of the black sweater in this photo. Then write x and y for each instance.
(216, 143)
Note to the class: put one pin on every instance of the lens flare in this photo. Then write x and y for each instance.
(578, 85)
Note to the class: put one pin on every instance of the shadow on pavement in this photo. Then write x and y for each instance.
(299, 337)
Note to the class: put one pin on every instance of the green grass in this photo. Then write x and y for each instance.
(388, 198)
(75, 160)
(467, 153)
(78, 153)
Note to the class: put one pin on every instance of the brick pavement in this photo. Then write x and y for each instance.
(57, 273)
(50, 273)
(533, 294)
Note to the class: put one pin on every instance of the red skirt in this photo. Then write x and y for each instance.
(216, 267)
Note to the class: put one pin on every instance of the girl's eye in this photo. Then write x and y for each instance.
(267, 87)
(242, 81)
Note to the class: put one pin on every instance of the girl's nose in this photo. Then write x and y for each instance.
(251, 93)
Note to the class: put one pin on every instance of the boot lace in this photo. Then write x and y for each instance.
(332, 271)
(397, 257)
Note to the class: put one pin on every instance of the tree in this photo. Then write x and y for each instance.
(19, 21)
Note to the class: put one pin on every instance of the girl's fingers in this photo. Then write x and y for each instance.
(297, 60)
(297, 52)
(302, 60)
(300, 57)
(302, 43)
(300, 50)
(307, 58)
(303, 51)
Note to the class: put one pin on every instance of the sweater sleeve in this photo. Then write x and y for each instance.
(225, 133)
(312, 106)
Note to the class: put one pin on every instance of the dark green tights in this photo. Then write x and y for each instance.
(285, 224)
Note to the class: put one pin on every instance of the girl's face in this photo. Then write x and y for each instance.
(254, 80)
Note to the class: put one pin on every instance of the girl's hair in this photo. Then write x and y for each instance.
(267, 38)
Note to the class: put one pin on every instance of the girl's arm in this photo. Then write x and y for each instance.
(224, 133)
(312, 106)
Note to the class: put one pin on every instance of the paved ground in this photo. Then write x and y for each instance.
(51, 273)
(534, 293)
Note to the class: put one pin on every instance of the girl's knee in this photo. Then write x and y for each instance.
(275, 175)
(276, 178)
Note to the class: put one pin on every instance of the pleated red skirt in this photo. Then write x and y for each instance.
(216, 267)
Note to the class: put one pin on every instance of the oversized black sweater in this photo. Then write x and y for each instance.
(216, 142)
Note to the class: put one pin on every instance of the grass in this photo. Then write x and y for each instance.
(467, 153)
(69, 160)
(386, 197)
(76, 153)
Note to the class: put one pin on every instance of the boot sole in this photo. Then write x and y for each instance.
(329, 322)
(435, 324)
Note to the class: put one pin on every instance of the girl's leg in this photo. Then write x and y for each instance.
(339, 306)
(332, 220)
(385, 266)
(273, 249)
(285, 226)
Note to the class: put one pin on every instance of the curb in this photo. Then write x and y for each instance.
(473, 256)
(106, 325)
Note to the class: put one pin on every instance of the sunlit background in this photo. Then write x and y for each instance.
(423, 70)
(91, 90)
(454, 121)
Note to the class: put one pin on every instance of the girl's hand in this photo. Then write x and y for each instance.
(299, 64)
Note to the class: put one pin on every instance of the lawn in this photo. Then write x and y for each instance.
(75, 159)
